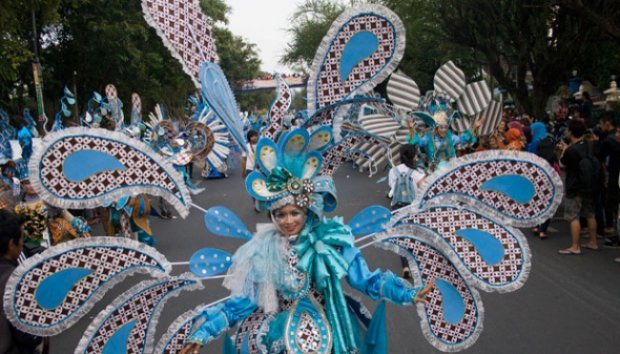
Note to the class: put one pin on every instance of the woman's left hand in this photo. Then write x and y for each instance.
(421, 295)
(479, 122)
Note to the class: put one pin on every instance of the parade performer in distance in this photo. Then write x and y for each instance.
(439, 145)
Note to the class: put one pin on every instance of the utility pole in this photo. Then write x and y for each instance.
(36, 71)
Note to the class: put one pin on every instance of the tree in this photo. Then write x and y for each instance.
(309, 24)
(87, 44)
(513, 39)
(17, 43)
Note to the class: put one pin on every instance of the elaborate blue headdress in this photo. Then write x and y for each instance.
(289, 172)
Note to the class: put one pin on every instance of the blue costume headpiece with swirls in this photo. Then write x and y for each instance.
(288, 173)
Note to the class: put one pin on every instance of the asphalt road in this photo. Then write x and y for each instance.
(570, 304)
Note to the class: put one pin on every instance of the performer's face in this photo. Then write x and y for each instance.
(442, 130)
(28, 188)
(289, 220)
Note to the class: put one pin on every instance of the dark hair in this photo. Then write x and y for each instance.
(251, 133)
(609, 117)
(585, 95)
(10, 229)
(408, 154)
(577, 128)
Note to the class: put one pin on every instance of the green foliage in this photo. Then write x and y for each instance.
(238, 59)
(216, 10)
(309, 24)
(87, 44)
(507, 38)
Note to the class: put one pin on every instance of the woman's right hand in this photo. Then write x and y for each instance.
(191, 348)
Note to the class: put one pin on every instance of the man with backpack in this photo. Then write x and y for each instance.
(583, 177)
(403, 180)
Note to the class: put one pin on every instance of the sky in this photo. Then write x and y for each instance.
(264, 23)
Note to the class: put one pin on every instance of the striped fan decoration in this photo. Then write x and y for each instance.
(403, 92)
(475, 98)
(493, 115)
(449, 79)
(461, 124)
(379, 124)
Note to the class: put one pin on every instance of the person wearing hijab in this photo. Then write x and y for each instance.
(513, 136)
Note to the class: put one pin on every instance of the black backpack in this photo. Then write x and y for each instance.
(591, 176)
(546, 149)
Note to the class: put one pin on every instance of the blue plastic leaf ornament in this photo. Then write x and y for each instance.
(54, 289)
(358, 48)
(518, 188)
(82, 164)
(221, 99)
(223, 222)
(118, 341)
(490, 249)
(452, 302)
(370, 220)
(208, 262)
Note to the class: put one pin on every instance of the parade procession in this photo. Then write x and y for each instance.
(236, 214)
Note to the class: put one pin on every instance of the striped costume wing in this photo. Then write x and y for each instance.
(492, 115)
(403, 92)
(449, 80)
(217, 158)
(51, 291)
(346, 149)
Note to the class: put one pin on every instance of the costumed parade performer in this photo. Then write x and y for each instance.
(459, 234)
(296, 265)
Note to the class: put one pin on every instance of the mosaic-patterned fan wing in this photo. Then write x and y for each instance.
(84, 168)
(341, 151)
(452, 320)
(185, 31)
(136, 108)
(492, 256)
(51, 291)
(515, 187)
(325, 115)
(128, 324)
(362, 47)
(279, 107)
(173, 341)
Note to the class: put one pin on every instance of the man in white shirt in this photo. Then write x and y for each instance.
(247, 157)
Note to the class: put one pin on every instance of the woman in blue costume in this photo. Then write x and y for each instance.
(285, 283)
(440, 144)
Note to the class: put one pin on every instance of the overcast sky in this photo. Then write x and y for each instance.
(264, 23)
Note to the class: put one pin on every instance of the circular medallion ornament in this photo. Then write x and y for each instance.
(308, 186)
(294, 186)
(302, 201)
